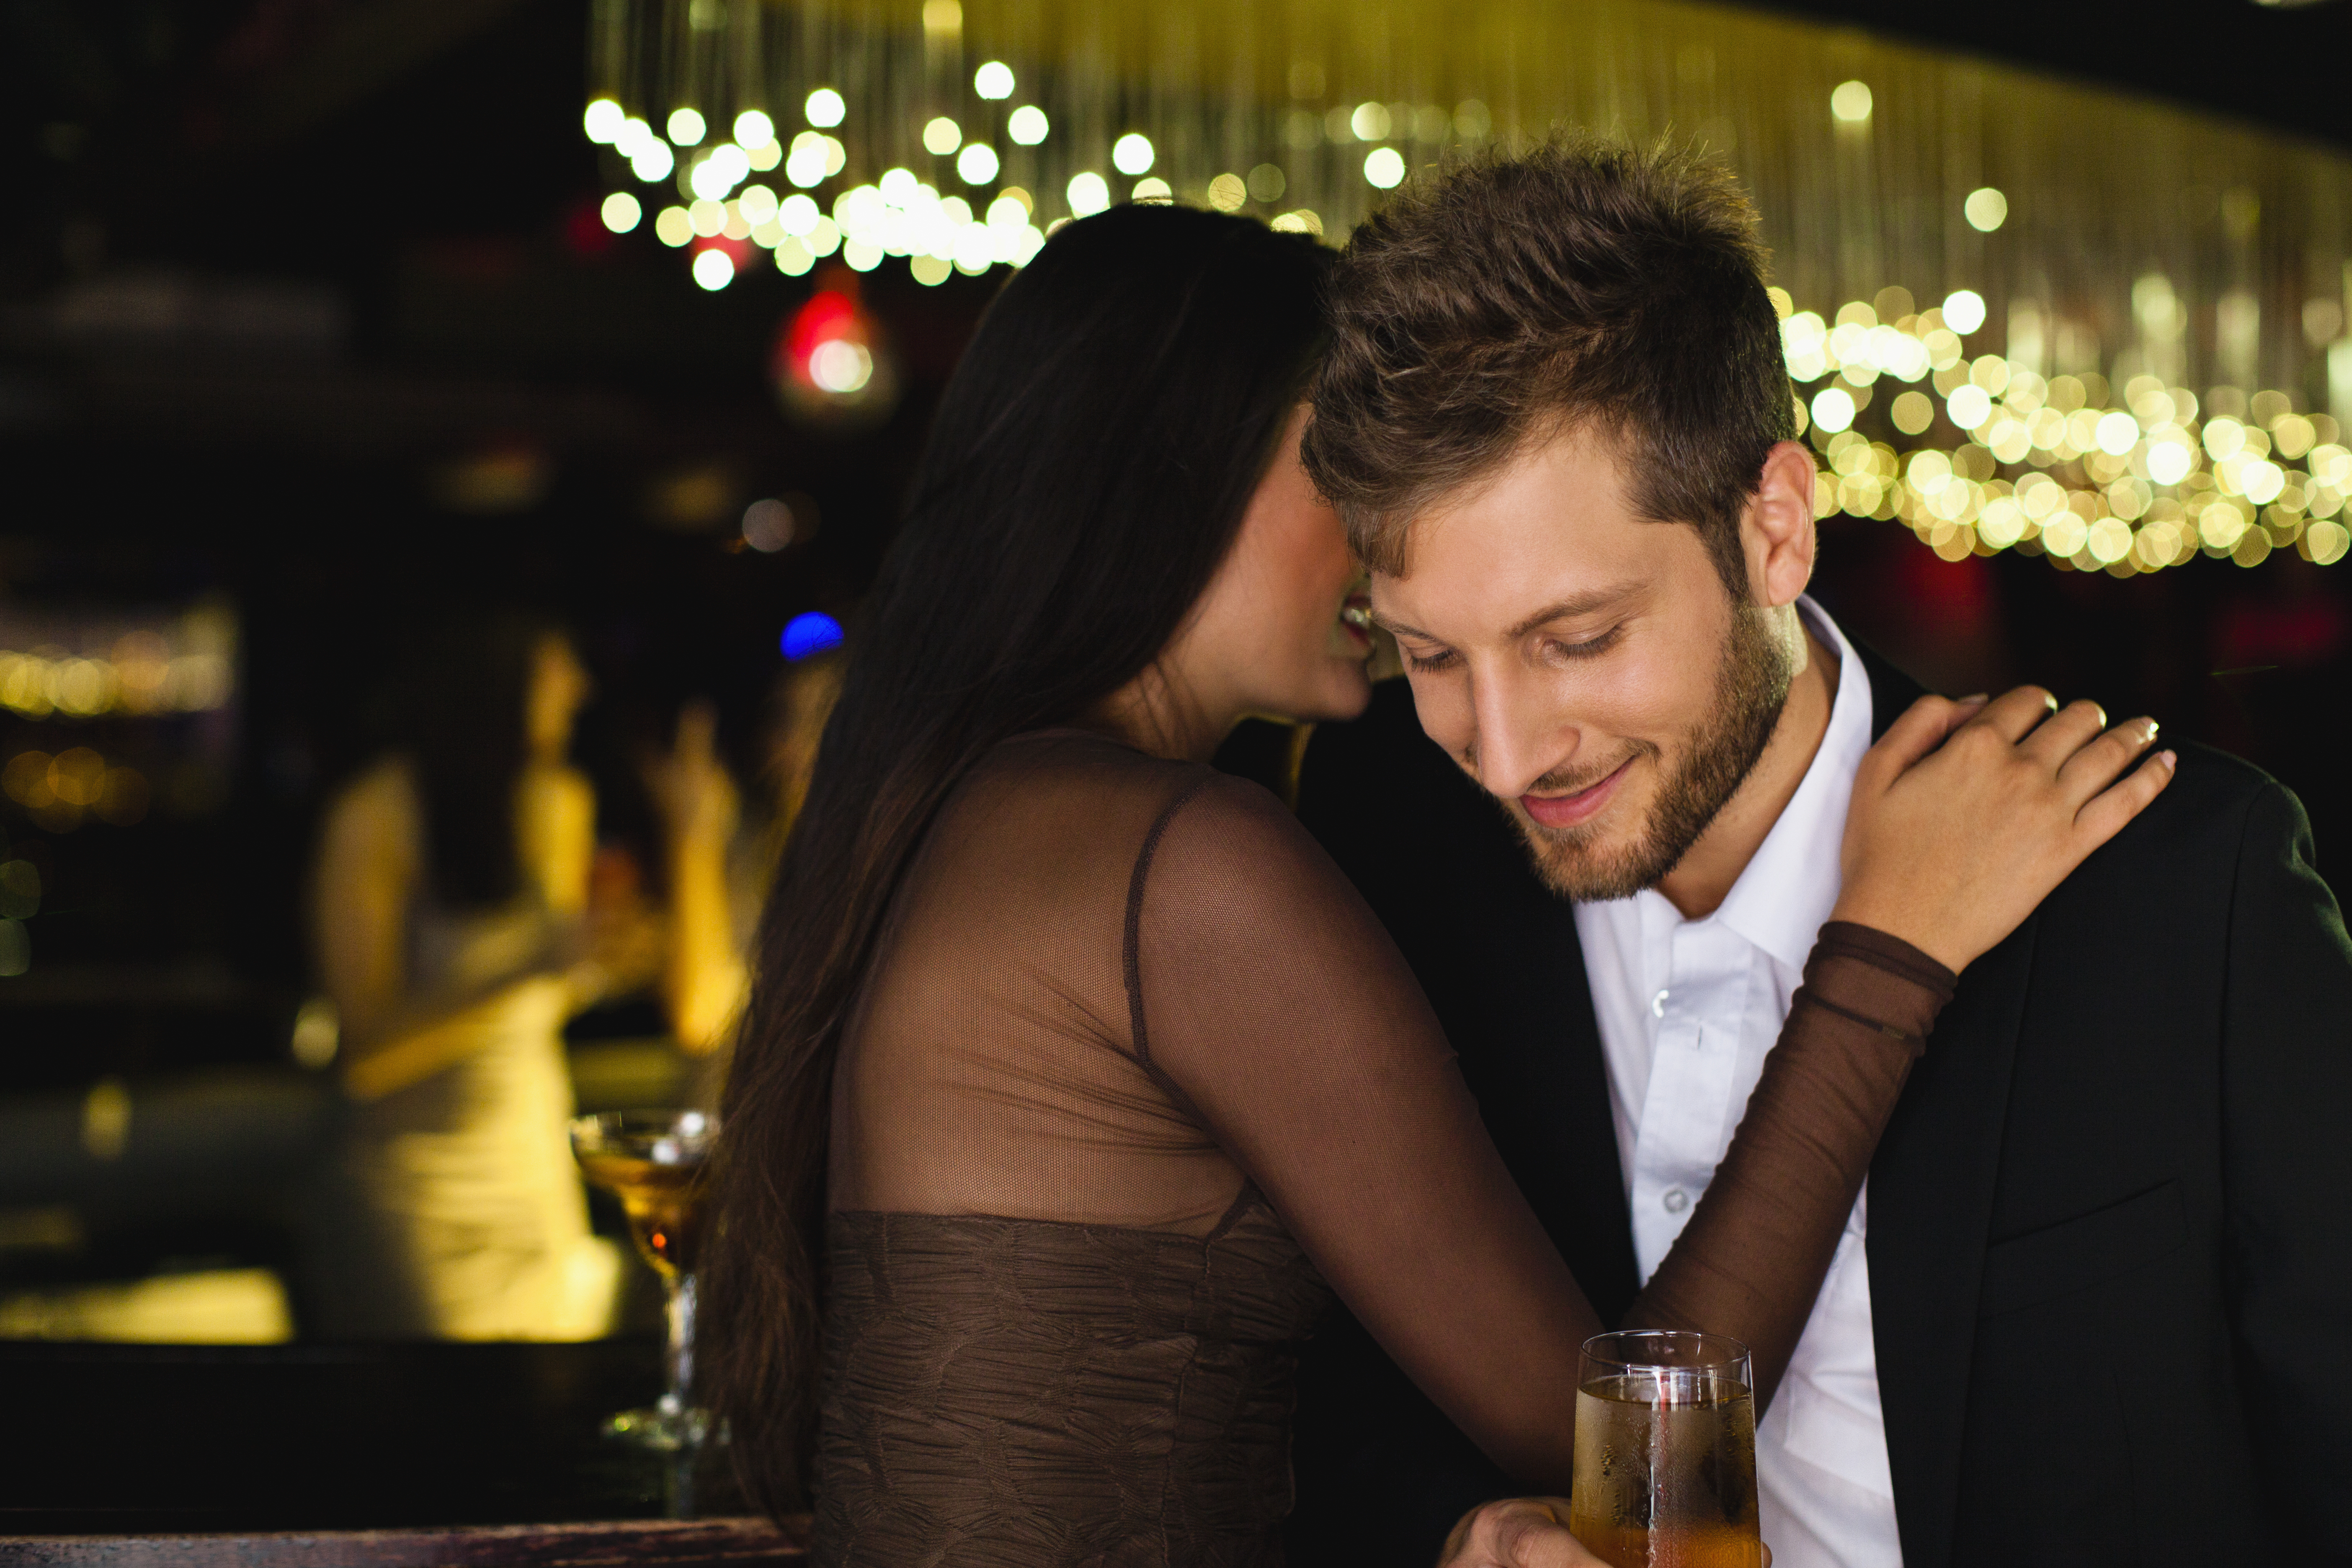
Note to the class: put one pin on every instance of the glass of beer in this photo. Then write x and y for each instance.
(653, 1162)
(1666, 1451)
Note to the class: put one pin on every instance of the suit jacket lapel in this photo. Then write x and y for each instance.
(1542, 1085)
(1509, 982)
(1931, 1196)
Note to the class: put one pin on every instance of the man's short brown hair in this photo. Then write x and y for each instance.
(1578, 283)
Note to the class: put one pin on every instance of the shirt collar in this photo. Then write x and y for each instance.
(1785, 894)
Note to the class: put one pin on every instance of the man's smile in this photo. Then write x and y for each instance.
(1572, 810)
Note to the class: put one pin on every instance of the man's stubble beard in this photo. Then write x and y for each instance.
(1751, 688)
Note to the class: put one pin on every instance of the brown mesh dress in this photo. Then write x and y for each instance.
(1136, 1083)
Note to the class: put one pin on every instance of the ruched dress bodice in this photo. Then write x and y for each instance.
(1014, 1393)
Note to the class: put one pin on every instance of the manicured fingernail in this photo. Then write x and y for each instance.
(2151, 733)
(2168, 758)
(1974, 698)
(2051, 700)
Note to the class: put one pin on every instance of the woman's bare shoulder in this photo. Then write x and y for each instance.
(378, 803)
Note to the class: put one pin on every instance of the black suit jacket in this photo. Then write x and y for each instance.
(2110, 1255)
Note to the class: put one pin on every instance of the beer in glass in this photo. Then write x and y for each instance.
(1666, 1452)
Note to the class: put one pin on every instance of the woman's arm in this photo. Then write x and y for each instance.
(704, 983)
(361, 886)
(366, 876)
(1279, 1013)
(368, 873)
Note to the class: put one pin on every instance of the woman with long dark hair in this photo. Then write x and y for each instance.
(449, 907)
(1076, 1081)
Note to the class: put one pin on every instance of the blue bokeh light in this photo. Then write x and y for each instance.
(813, 632)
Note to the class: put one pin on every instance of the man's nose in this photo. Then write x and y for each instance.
(1517, 738)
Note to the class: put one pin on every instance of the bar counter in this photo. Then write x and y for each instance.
(402, 1454)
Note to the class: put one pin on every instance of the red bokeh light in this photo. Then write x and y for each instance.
(832, 314)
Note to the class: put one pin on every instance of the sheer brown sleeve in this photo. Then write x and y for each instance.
(1751, 1259)
(1271, 1002)
(1276, 1004)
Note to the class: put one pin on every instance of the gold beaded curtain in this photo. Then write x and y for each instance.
(1986, 275)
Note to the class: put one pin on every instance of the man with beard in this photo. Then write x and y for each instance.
(2088, 1306)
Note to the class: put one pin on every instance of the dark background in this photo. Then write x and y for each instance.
(386, 214)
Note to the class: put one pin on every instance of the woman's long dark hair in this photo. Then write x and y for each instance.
(456, 708)
(1085, 473)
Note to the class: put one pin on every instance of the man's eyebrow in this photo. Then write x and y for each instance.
(1574, 604)
(1396, 628)
(1577, 604)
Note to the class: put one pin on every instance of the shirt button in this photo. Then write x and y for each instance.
(1658, 1004)
(1675, 1200)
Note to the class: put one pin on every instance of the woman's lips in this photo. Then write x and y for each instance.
(1569, 810)
(1356, 616)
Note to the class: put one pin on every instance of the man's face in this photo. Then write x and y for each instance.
(1587, 666)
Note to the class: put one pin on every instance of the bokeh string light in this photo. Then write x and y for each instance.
(143, 673)
(2081, 243)
(2124, 480)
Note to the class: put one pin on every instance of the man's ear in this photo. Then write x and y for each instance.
(1776, 530)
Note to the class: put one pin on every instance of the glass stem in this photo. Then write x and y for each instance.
(678, 1397)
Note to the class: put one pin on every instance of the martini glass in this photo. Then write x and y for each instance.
(653, 1161)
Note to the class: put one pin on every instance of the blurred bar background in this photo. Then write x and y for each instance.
(324, 320)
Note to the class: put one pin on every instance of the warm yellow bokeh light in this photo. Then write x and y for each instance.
(653, 162)
(754, 128)
(1028, 125)
(2117, 434)
(1969, 406)
(1986, 209)
(976, 164)
(1131, 154)
(1964, 311)
(714, 269)
(1832, 409)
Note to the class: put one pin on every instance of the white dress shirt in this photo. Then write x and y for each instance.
(1688, 1010)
